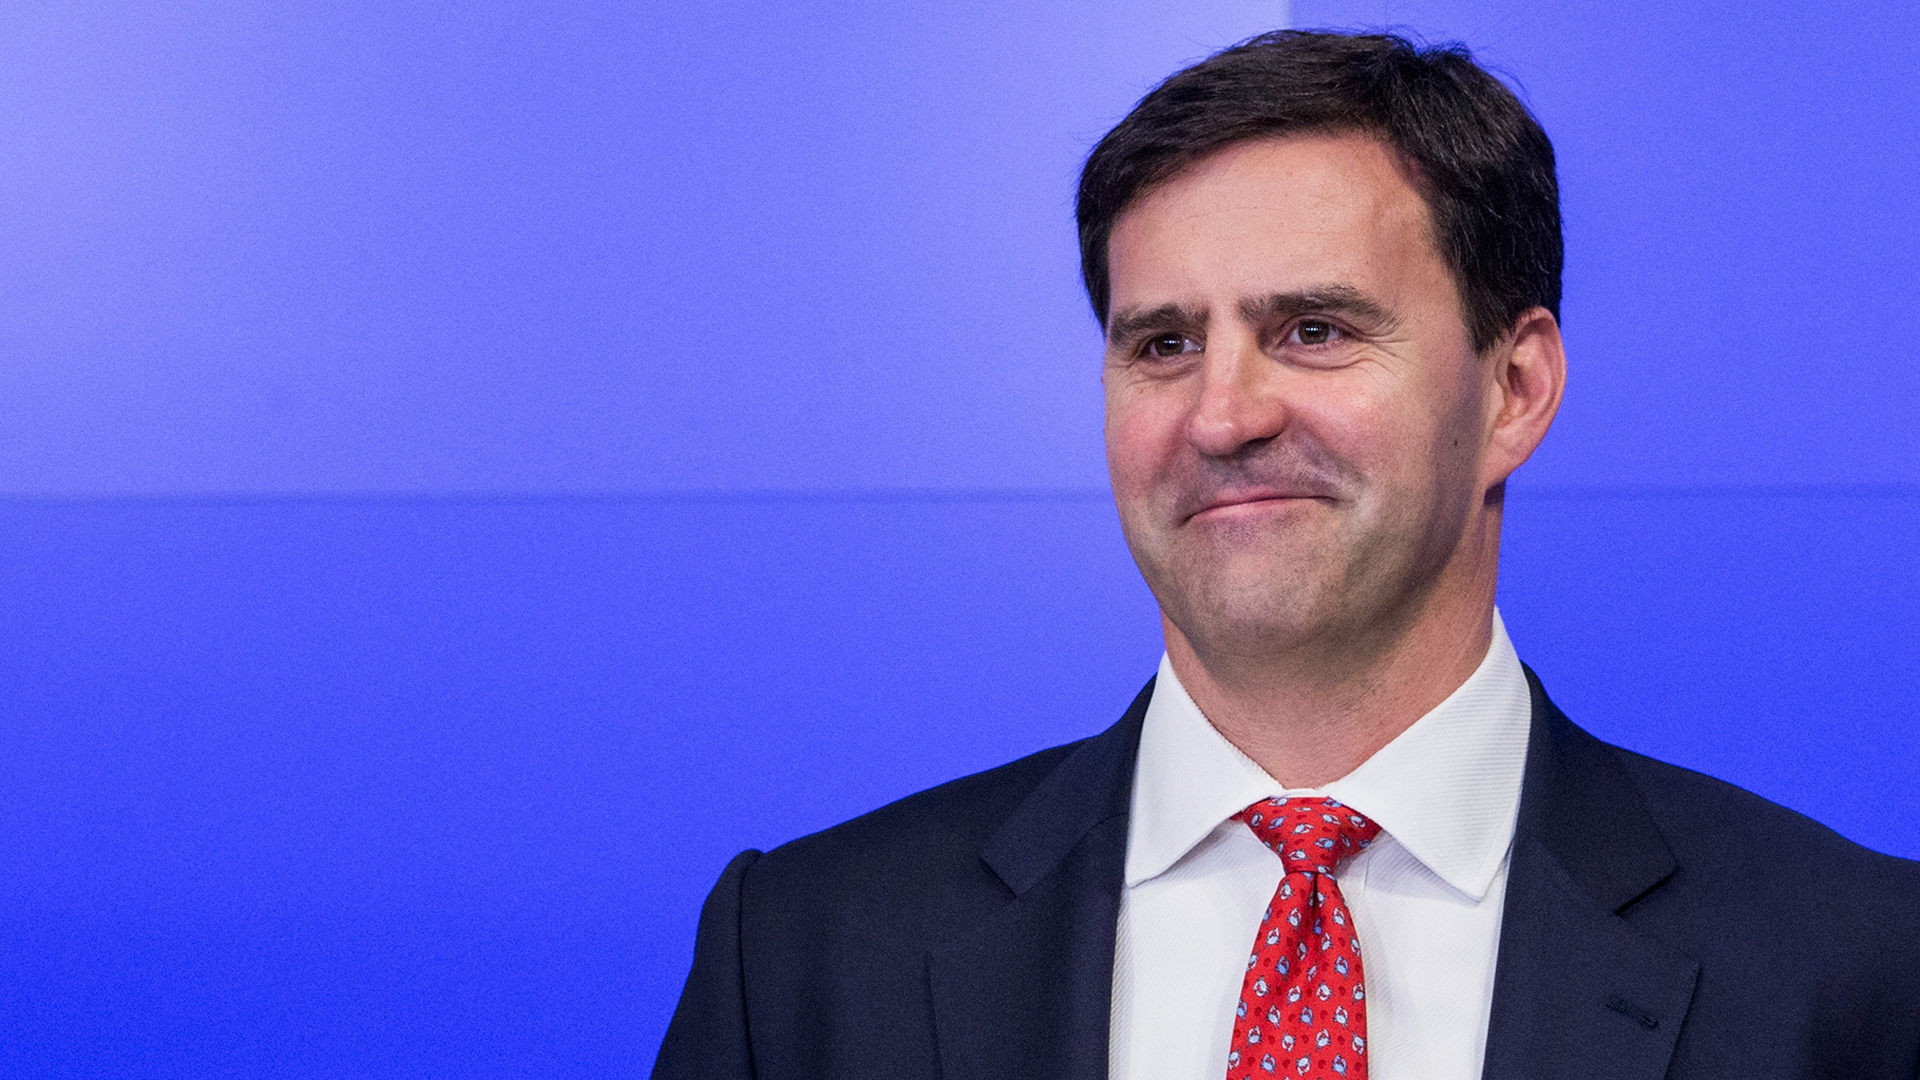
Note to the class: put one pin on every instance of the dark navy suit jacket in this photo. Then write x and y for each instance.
(1658, 923)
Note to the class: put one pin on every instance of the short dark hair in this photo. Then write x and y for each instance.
(1480, 159)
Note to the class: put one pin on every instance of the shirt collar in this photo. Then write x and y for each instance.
(1446, 789)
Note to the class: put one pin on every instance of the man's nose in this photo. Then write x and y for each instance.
(1239, 402)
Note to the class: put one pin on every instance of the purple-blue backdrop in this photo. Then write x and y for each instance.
(471, 468)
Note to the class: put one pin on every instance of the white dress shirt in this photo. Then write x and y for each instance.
(1426, 896)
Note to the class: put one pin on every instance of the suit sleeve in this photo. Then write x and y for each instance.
(707, 1039)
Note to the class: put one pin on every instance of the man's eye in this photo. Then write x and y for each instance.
(1313, 332)
(1167, 345)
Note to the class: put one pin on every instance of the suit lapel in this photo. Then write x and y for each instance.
(1026, 991)
(1578, 991)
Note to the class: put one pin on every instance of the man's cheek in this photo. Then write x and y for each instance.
(1137, 455)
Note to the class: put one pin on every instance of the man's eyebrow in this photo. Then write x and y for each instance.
(1330, 299)
(1126, 325)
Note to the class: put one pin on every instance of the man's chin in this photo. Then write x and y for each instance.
(1257, 611)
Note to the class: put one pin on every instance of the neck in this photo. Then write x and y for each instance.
(1313, 712)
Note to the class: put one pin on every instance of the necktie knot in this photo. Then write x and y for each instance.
(1311, 836)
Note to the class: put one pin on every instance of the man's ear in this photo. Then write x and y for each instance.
(1529, 375)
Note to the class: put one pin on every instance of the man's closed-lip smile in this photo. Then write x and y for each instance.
(1255, 500)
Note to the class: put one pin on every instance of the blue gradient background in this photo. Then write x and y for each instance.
(468, 469)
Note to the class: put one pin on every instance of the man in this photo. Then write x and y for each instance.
(1343, 833)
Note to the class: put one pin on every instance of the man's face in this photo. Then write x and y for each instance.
(1296, 417)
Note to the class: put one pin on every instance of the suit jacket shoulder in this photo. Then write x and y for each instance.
(901, 867)
(1662, 923)
(835, 954)
(1813, 939)
(1731, 835)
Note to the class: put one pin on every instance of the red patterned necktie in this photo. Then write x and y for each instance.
(1303, 1005)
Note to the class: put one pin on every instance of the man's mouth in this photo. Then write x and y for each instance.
(1226, 502)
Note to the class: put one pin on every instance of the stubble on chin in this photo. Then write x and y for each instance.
(1331, 583)
(1263, 583)
(1252, 592)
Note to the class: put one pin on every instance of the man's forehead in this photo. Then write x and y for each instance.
(1267, 216)
(1328, 171)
